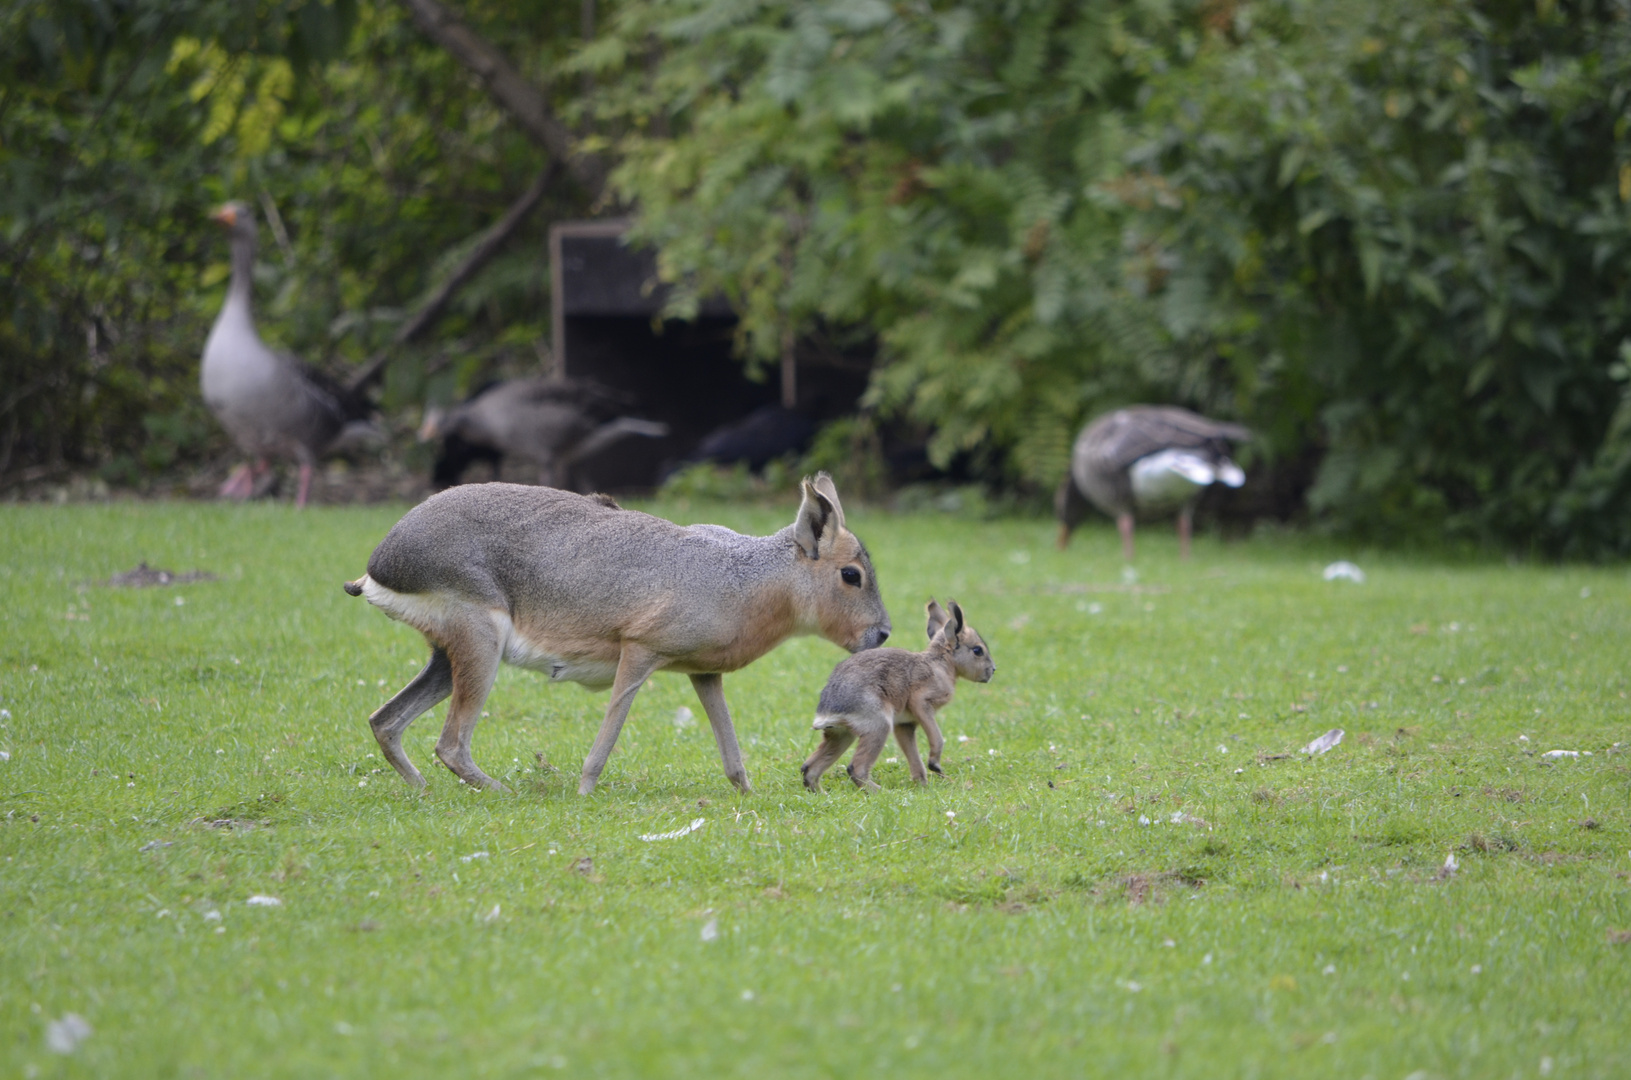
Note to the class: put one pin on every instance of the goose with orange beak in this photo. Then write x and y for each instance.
(272, 404)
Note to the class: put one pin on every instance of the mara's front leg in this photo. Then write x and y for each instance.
(711, 692)
(906, 735)
(633, 667)
(937, 742)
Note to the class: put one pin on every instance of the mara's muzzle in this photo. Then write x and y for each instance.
(874, 637)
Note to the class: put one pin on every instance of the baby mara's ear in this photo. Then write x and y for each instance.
(957, 620)
(937, 617)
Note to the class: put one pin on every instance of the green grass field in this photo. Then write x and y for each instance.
(1128, 870)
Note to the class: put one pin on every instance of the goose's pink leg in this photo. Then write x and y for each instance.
(239, 483)
(1124, 523)
(1185, 527)
(305, 485)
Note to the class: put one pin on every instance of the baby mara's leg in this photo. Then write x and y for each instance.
(906, 735)
(937, 742)
(871, 733)
(835, 739)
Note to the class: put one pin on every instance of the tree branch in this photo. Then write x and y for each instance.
(524, 102)
(431, 310)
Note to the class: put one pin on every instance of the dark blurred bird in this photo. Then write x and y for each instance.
(455, 457)
(1145, 461)
(271, 403)
(766, 433)
(549, 423)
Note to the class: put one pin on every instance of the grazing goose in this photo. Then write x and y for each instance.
(1146, 460)
(269, 402)
(551, 423)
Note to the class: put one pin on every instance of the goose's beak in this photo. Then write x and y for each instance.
(226, 215)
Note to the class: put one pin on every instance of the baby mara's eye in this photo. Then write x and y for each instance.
(978, 651)
(850, 575)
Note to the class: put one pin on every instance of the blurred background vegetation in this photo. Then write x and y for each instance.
(1392, 237)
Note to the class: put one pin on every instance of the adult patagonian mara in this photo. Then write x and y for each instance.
(272, 404)
(1145, 461)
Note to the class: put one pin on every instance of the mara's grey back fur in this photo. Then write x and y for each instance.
(587, 592)
(883, 690)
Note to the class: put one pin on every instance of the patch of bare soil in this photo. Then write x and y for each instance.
(145, 576)
(234, 824)
(1142, 888)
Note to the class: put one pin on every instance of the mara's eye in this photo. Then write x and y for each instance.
(978, 651)
(850, 575)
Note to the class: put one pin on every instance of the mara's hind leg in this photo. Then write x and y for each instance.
(391, 719)
(868, 746)
(473, 651)
(906, 735)
(834, 741)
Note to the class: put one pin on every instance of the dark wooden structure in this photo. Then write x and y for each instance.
(607, 300)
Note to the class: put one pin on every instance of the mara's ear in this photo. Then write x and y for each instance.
(825, 488)
(956, 619)
(818, 519)
(937, 617)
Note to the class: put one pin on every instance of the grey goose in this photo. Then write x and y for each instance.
(1146, 461)
(271, 403)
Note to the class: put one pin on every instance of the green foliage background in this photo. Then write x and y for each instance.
(1389, 236)
(123, 123)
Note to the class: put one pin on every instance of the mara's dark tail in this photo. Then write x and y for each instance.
(354, 588)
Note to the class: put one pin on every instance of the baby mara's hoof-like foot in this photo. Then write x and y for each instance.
(934, 767)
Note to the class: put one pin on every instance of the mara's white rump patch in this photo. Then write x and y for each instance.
(433, 613)
(859, 721)
(426, 612)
